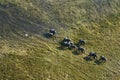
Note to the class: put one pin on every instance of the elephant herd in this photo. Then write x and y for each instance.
(67, 43)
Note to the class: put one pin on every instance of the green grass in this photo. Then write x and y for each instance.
(38, 58)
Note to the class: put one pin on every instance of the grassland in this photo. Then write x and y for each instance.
(38, 58)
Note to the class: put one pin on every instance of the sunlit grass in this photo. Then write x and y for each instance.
(38, 58)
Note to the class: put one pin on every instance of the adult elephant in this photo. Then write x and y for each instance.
(73, 47)
(66, 39)
(53, 31)
(81, 49)
(102, 59)
(49, 35)
(92, 54)
(81, 42)
(66, 44)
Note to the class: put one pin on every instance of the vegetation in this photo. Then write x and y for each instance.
(35, 57)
